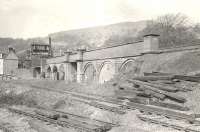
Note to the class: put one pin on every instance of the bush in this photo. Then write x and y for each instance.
(16, 99)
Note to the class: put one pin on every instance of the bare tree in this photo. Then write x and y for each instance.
(170, 20)
(174, 29)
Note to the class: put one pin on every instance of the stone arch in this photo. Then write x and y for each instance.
(36, 72)
(61, 72)
(128, 65)
(48, 72)
(55, 69)
(89, 72)
(55, 73)
(106, 72)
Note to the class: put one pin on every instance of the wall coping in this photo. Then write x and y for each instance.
(108, 47)
(159, 51)
(178, 49)
(101, 48)
(174, 49)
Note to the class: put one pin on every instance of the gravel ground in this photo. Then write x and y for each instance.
(179, 62)
(19, 123)
(129, 121)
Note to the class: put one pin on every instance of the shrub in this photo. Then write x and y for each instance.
(12, 98)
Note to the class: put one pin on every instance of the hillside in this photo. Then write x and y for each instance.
(18, 44)
(90, 37)
(99, 36)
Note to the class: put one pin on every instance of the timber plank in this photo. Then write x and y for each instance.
(167, 94)
(153, 78)
(164, 112)
(168, 105)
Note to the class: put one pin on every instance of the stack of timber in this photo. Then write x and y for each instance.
(157, 89)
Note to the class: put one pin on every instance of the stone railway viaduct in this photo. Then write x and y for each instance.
(101, 64)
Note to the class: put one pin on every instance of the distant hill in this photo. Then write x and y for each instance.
(99, 36)
(18, 44)
(90, 37)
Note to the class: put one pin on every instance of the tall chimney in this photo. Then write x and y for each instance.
(50, 47)
(49, 40)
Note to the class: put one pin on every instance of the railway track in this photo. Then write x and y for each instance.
(172, 114)
(79, 123)
(82, 117)
(120, 103)
(117, 110)
(172, 123)
(167, 122)
(91, 99)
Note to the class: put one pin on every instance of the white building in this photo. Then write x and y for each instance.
(1, 63)
(8, 62)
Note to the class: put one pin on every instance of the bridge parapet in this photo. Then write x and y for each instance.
(110, 59)
(56, 60)
(150, 43)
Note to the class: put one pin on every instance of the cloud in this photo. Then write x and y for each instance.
(32, 18)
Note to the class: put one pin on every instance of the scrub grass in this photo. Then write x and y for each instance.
(12, 98)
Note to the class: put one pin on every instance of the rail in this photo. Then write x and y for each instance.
(86, 125)
(142, 107)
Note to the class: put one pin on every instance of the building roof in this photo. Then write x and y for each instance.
(10, 55)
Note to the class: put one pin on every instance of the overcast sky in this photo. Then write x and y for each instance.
(33, 18)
